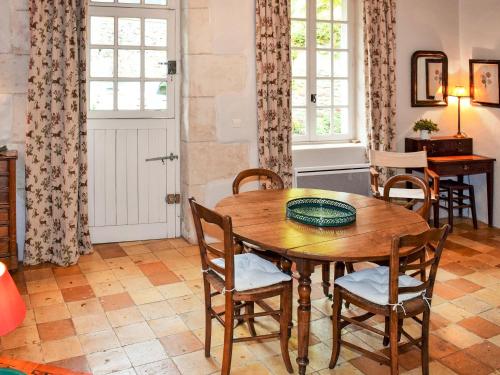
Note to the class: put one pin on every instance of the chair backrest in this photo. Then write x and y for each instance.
(398, 159)
(275, 180)
(429, 245)
(414, 180)
(207, 251)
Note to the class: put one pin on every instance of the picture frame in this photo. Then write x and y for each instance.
(484, 79)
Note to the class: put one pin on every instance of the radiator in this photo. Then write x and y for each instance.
(354, 178)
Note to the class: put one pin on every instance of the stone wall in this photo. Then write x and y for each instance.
(14, 50)
(218, 128)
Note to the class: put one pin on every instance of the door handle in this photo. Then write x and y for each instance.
(170, 157)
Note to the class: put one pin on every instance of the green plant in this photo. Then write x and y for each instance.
(425, 124)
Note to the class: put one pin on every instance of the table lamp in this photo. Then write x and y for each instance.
(459, 92)
(12, 307)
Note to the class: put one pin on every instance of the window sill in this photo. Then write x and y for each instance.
(321, 146)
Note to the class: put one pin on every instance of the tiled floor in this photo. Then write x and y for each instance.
(137, 308)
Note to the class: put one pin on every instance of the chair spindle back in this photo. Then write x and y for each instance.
(274, 179)
(414, 180)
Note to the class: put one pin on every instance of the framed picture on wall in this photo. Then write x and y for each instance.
(485, 82)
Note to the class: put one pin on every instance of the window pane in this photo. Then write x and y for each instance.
(155, 32)
(298, 92)
(324, 92)
(102, 30)
(129, 31)
(129, 96)
(298, 8)
(155, 95)
(156, 64)
(101, 95)
(298, 34)
(324, 35)
(340, 35)
(130, 1)
(323, 121)
(156, 2)
(129, 63)
(299, 59)
(340, 121)
(299, 121)
(102, 1)
(340, 10)
(324, 63)
(340, 92)
(101, 62)
(323, 9)
(340, 64)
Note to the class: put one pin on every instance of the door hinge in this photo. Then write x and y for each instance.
(172, 67)
(173, 198)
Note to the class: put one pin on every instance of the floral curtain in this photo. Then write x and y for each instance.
(56, 154)
(379, 29)
(272, 39)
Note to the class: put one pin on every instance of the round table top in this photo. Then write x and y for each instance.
(259, 217)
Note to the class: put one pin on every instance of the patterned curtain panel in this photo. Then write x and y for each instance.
(273, 87)
(379, 18)
(56, 152)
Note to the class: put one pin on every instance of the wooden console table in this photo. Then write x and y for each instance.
(449, 157)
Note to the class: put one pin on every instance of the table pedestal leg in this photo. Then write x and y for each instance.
(304, 313)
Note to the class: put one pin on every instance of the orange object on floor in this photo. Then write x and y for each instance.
(32, 368)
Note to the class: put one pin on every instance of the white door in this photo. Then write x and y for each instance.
(133, 137)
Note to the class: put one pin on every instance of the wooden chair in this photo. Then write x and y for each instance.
(275, 181)
(388, 291)
(243, 279)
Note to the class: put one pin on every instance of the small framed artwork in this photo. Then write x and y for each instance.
(485, 82)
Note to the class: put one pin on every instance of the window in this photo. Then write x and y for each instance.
(322, 84)
(130, 43)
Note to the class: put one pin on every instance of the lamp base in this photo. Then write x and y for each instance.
(460, 135)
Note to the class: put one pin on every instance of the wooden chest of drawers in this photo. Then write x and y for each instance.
(8, 246)
(440, 146)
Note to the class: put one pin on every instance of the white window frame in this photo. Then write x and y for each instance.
(311, 50)
(116, 9)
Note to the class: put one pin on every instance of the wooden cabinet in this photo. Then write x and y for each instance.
(8, 246)
(440, 146)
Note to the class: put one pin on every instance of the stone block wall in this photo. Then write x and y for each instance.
(218, 126)
(14, 50)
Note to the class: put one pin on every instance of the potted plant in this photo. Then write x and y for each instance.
(426, 127)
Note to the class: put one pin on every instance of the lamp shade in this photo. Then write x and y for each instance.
(458, 91)
(12, 307)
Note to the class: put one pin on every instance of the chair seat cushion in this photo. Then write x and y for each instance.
(405, 193)
(372, 284)
(251, 272)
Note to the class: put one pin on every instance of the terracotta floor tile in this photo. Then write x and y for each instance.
(163, 278)
(107, 288)
(164, 367)
(186, 303)
(134, 333)
(179, 242)
(71, 281)
(463, 284)
(123, 317)
(44, 314)
(31, 352)
(368, 366)
(104, 276)
(43, 285)
(38, 274)
(99, 341)
(156, 310)
(457, 269)
(458, 335)
(174, 290)
(152, 268)
(66, 271)
(20, 337)
(56, 330)
(77, 293)
(480, 327)
(181, 343)
(87, 307)
(464, 364)
(196, 363)
(472, 304)
(61, 349)
(144, 296)
(439, 348)
(145, 352)
(112, 360)
(167, 326)
(116, 301)
(79, 364)
(155, 246)
(91, 323)
(487, 353)
(136, 283)
(448, 292)
(107, 251)
(46, 298)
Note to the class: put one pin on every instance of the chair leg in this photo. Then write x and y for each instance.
(249, 309)
(208, 318)
(450, 209)
(349, 267)
(337, 308)
(325, 271)
(228, 335)
(472, 199)
(425, 342)
(285, 320)
(435, 210)
(387, 330)
(393, 338)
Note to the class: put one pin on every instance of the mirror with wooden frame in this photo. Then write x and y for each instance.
(429, 79)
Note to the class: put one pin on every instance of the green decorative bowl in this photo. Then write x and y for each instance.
(320, 212)
(10, 371)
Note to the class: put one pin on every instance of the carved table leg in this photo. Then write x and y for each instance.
(304, 313)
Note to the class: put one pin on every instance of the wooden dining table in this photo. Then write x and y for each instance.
(259, 217)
